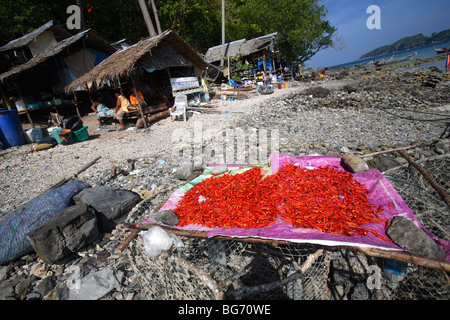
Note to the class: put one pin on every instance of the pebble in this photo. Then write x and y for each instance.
(355, 114)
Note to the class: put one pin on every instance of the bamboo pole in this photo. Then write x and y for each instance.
(138, 103)
(390, 150)
(155, 12)
(444, 196)
(395, 255)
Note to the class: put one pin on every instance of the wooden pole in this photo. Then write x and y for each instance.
(26, 107)
(388, 151)
(148, 21)
(155, 12)
(138, 103)
(395, 255)
(444, 196)
(223, 33)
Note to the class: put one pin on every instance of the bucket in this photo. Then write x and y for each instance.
(74, 123)
(285, 85)
(55, 134)
(11, 131)
(66, 136)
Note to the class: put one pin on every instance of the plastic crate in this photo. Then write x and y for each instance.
(81, 134)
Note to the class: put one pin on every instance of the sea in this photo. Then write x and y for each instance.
(422, 52)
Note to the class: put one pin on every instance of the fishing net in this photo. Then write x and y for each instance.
(234, 268)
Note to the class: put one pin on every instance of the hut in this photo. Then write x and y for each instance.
(259, 52)
(23, 49)
(38, 83)
(164, 62)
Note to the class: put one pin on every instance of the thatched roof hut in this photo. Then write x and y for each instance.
(241, 47)
(165, 50)
(93, 41)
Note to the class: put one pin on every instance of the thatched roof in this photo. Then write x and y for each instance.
(167, 49)
(26, 39)
(95, 42)
(243, 46)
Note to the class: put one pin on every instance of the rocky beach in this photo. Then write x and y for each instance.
(354, 110)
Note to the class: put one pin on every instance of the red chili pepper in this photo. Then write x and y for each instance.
(324, 199)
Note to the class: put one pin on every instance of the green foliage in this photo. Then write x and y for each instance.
(300, 24)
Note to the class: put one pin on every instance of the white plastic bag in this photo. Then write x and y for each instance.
(94, 285)
(157, 240)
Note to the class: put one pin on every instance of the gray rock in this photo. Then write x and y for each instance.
(65, 233)
(110, 204)
(23, 287)
(384, 162)
(219, 169)
(354, 163)
(349, 89)
(6, 290)
(167, 217)
(318, 92)
(4, 271)
(45, 286)
(408, 236)
(184, 172)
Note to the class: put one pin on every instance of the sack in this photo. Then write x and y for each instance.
(14, 227)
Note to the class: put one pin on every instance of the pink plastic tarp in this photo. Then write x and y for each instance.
(381, 192)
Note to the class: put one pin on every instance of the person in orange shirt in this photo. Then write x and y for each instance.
(134, 100)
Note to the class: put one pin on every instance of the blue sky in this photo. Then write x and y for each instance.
(399, 18)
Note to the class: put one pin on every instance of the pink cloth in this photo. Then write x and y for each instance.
(381, 192)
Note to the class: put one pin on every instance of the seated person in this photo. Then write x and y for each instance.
(164, 96)
(134, 100)
(101, 110)
(122, 106)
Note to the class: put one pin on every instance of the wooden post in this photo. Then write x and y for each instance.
(26, 107)
(148, 21)
(137, 99)
(5, 99)
(76, 103)
(155, 12)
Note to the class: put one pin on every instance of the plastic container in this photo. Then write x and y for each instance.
(66, 136)
(39, 133)
(11, 131)
(74, 123)
(80, 135)
(279, 86)
(55, 134)
(36, 105)
(286, 86)
(394, 271)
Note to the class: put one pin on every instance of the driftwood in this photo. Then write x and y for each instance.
(444, 196)
(158, 116)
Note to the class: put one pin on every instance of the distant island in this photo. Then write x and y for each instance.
(408, 43)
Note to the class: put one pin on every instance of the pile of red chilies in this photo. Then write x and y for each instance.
(323, 198)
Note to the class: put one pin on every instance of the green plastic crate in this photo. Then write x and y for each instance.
(81, 134)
